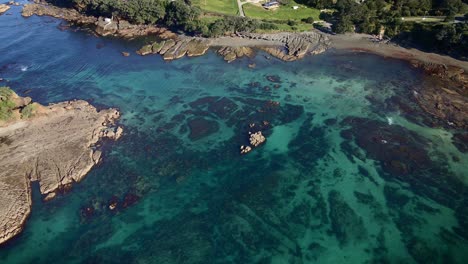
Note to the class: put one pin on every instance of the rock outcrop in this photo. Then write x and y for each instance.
(232, 53)
(255, 140)
(175, 48)
(55, 145)
(67, 14)
(444, 96)
(285, 46)
(295, 45)
(3, 8)
(102, 26)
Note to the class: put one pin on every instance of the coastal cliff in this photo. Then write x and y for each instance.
(55, 145)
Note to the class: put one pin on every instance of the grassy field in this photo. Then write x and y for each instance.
(227, 7)
(284, 12)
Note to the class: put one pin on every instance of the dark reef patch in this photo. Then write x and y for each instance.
(201, 127)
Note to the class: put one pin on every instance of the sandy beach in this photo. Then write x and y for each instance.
(362, 43)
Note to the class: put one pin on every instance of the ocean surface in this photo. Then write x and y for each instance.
(351, 170)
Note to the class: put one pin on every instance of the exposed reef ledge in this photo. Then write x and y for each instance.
(286, 46)
(55, 145)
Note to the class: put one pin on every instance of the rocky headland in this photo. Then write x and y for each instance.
(55, 145)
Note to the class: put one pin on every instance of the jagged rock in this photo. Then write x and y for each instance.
(176, 51)
(145, 50)
(106, 26)
(295, 45)
(245, 149)
(256, 139)
(196, 47)
(56, 147)
(3, 8)
(157, 46)
(232, 53)
(167, 45)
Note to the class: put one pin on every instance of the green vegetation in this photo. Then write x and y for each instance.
(226, 7)
(430, 20)
(284, 12)
(28, 111)
(447, 38)
(285, 18)
(217, 17)
(6, 104)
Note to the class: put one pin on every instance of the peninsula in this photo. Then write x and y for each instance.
(55, 145)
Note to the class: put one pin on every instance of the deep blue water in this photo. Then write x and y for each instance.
(349, 173)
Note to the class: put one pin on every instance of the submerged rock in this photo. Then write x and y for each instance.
(201, 127)
(55, 145)
(346, 224)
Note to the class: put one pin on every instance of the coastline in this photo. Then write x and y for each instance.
(55, 145)
(286, 46)
(361, 43)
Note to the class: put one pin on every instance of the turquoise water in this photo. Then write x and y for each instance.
(350, 172)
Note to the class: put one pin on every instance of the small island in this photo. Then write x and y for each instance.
(55, 145)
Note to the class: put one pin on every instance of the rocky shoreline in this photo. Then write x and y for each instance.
(55, 145)
(285, 46)
(117, 27)
(445, 100)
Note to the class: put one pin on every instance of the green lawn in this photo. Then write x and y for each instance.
(227, 7)
(284, 12)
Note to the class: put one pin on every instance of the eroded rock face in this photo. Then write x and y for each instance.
(56, 147)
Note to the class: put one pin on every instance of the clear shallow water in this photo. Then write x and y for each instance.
(346, 176)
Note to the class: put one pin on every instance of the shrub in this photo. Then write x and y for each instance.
(309, 20)
(6, 104)
(28, 111)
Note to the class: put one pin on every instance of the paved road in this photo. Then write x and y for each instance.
(241, 11)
